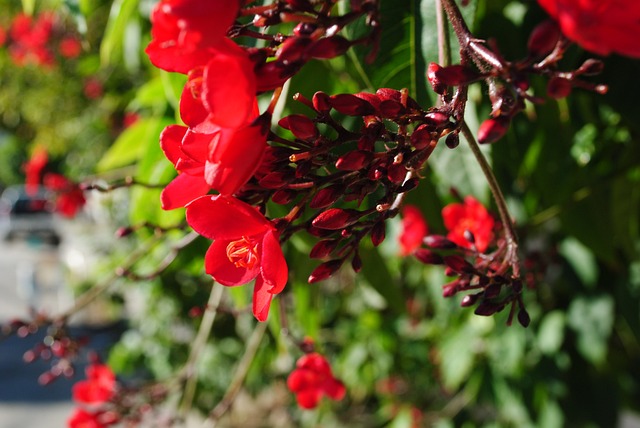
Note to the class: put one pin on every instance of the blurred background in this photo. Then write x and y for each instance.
(79, 102)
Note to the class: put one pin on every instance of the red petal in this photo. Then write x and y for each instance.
(171, 140)
(261, 300)
(273, 266)
(182, 190)
(309, 398)
(217, 265)
(224, 217)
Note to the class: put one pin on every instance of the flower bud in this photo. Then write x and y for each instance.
(543, 38)
(437, 119)
(487, 308)
(559, 87)
(453, 140)
(324, 271)
(491, 130)
(274, 180)
(591, 67)
(436, 84)
(329, 47)
(458, 264)
(428, 257)
(293, 50)
(439, 242)
(356, 263)
(323, 248)
(372, 99)
(453, 75)
(351, 105)
(396, 173)
(523, 318)
(354, 160)
(378, 233)
(326, 196)
(469, 300)
(321, 102)
(283, 196)
(451, 288)
(300, 126)
(336, 218)
(421, 137)
(390, 109)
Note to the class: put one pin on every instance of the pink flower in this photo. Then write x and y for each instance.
(600, 26)
(414, 228)
(470, 219)
(99, 386)
(184, 31)
(245, 246)
(312, 379)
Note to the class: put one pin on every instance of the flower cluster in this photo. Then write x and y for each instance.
(37, 40)
(312, 379)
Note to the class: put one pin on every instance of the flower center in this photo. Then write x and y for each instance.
(243, 252)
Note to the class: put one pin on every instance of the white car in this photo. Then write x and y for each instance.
(29, 215)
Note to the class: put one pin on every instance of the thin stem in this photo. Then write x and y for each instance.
(240, 374)
(503, 211)
(444, 43)
(189, 369)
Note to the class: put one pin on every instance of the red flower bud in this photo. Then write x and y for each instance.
(523, 317)
(439, 242)
(336, 218)
(300, 126)
(428, 257)
(453, 140)
(389, 94)
(421, 137)
(390, 109)
(324, 271)
(453, 75)
(543, 38)
(378, 233)
(434, 81)
(275, 180)
(491, 130)
(293, 50)
(323, 248)
(283, 196)
(329, 47)
(321, 102)
(354, 160)
(372, 99)
(559, 87)
(470, 300)
(458, 264)
(326, 196)
(437, 119)
(351, 105)
(356, 263)
(591, 67)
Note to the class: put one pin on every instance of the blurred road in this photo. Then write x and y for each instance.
(32, 275)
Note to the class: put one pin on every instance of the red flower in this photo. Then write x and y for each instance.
(93, 88)
(312, 379)
(70, 197)
(469, 219)
(245, 246)
(70, 47)
(3, 35)
(99, 386)
(600, 26)
(224, 160)
(33, 169)
(414, 228)
(83, 419)
(184, 31)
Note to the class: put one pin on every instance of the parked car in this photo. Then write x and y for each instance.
(29, 215)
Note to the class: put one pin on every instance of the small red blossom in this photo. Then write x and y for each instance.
(70, 47)
(3, 35)
(84, 419)
(414, 228)
(599, 26)
(93, 88)
(245, 246)
(70, 197)
(99, 386)
(33, 169)
(312, 379)
(469, 224)
(184, 31)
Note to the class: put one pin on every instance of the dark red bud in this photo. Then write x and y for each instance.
(437, 119)
(378, 233)
(390, 109)
(523, 318)
(428, 257)
(591, 67)
(325, 270)
(396, 173)
(300, 126)
(409, 185)
(336, 218)
(354, 160)
(421, 137)
(351, 105)
(453, 140)
(323, 248)
(293, 50)
(329, 47)
(304, 29)
(434, 81)
(372, 99)
(123, 231)
(301, 5)
(487, 308)
(321, 102)
(455, 75)
(283, 196)
(271, 75)
(450, 289)
(389, 94)
(274, 180)
(326, 196)
(366, 143)
(439, 242)
(458, 264)
(356, 263)
(543, 38)
(559, 87)
(492, 291)
(470, 300)
(491, 130)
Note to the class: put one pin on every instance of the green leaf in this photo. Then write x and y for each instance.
(592, 319)
(551, 332)
(112, 47)
(581, 260)
(375, 271)
(130, 145)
